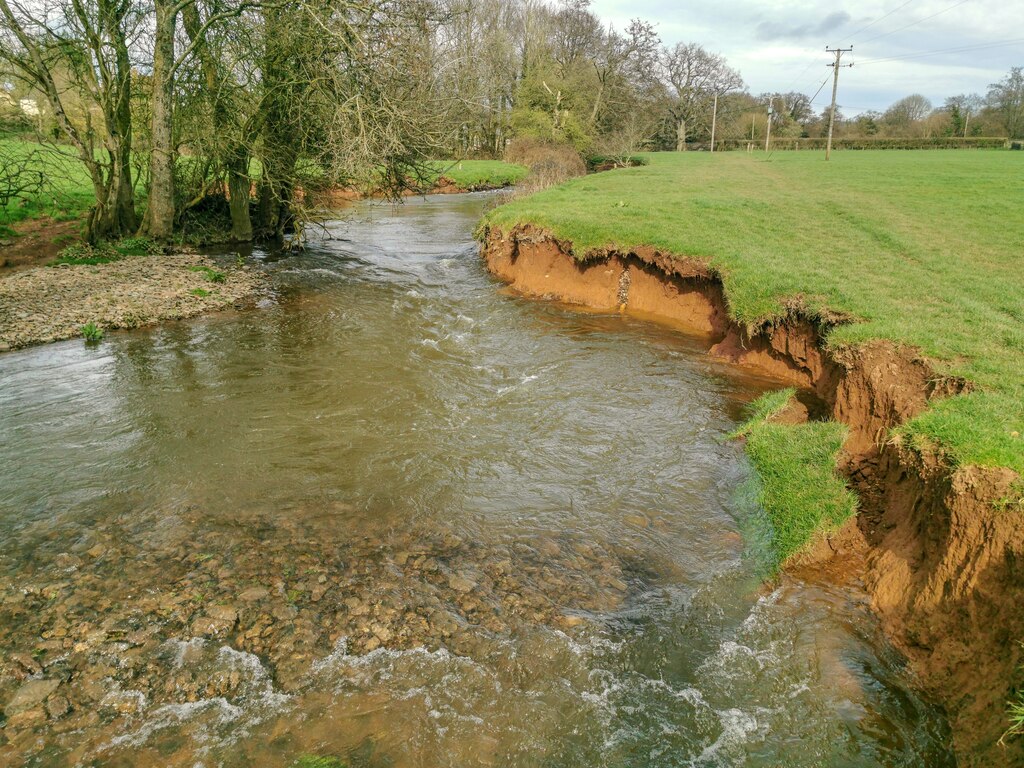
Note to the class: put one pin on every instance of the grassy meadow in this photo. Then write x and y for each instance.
(924, 248)
(62, 189)
(471, 174)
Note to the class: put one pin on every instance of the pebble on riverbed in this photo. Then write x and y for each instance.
(93, 635)
(51, 303)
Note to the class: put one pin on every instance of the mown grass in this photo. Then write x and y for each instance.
(921, 248)
(799, 489)
(480, 174)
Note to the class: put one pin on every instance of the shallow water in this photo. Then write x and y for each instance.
(398, 516)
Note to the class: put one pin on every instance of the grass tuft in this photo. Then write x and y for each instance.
(213, 275)
(764, 408)
(800, 491)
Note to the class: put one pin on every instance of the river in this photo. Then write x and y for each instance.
(399, 516)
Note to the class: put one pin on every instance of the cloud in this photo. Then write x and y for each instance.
(774, 30)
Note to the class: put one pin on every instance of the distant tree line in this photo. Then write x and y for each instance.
(240, 110)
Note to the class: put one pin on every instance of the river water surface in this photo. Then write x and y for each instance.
(398, 516)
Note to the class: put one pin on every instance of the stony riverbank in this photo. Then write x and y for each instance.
(46, 304)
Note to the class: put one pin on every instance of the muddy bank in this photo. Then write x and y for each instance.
(939, 559)
(36, 242)
(46, 304)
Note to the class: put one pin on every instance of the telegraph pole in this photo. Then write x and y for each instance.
(768, 130)
(714, 119)
(835, 88)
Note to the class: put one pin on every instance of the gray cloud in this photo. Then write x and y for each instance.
(774, 30)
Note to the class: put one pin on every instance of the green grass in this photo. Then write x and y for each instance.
(65, 192)
(799, 490)
(213, 275)
(481, 174)
(918, 247)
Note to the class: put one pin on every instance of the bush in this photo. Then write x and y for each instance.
(549, 163)
(83, 253)
(137, 246)
(103, 253)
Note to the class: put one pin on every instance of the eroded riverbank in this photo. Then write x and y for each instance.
(401, 518)
(940, 554)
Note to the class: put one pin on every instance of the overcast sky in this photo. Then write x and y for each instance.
(778, 45)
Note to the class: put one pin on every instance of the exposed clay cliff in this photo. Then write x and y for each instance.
(942, 562)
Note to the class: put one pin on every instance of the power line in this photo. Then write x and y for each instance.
(819, 89)
(961, 49)
(914, 23)
(880, 18)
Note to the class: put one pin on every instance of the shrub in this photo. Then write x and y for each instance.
(85, 254)
(137, 246)
(91, 332)
(549, 163)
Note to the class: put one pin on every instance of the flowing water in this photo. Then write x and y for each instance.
(398, 516)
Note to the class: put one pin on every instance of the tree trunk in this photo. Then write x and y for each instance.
(238, 197)
(160, 212)
(681, 136)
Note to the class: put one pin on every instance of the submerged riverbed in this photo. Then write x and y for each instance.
(398, 516)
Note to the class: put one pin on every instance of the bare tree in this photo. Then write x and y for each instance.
(907, 111)
(84, 43)
(695, 77)
(1007, 98)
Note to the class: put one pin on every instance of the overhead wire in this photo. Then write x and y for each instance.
(961, 49)
(880, 18)
(914, 23)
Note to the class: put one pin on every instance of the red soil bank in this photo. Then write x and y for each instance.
(943, 565)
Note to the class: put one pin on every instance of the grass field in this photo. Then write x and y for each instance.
(64, 191)
(470, 174)
(920, 247)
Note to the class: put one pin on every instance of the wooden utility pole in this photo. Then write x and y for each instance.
(768, 130)
(714, 119)
(835, 88)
